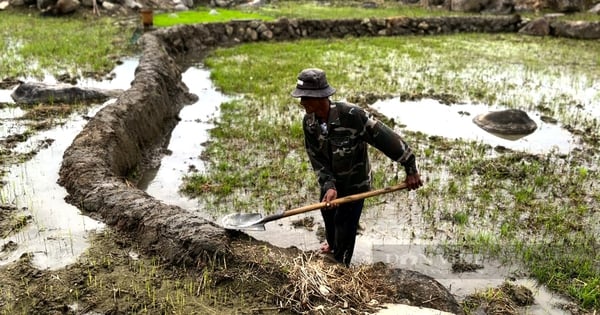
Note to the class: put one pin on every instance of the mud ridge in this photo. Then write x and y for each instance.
(113, 144)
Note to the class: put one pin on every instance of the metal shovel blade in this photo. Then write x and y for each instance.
(243, 221)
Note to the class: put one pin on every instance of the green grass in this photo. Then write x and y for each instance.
(580, 16)
(206, 15)
(35, 46)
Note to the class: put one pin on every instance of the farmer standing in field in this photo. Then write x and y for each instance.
(336, 135)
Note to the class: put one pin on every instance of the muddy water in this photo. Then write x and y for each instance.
(57, 234)
(196, 119)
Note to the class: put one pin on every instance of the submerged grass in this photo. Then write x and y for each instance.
(509, 205)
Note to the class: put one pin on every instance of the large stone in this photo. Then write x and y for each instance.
(537, 27)
(569, 6)
(510, 124)
(67, 6)
(41, 93)
(132, 4)
(576, 29)
(61, 7)
(468, 5)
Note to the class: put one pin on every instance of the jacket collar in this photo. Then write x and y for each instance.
(333, 119)
(334, 114)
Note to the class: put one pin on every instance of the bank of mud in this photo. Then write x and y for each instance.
(100, 168)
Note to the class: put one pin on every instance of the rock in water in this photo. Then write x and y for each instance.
(35, 93)
(510, 124)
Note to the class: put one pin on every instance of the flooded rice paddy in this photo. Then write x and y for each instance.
(58, 232)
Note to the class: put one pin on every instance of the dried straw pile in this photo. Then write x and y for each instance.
(318, 286)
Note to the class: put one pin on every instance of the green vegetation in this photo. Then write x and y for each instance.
(511, 205)
(30, 45)
(580, 16)
(206, 15)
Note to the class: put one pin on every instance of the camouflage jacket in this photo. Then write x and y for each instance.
(338, 150)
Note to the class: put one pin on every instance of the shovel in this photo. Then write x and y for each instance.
(256, 222)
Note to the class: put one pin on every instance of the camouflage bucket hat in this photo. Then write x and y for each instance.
(312, 83)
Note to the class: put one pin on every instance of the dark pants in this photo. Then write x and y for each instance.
(341, 225)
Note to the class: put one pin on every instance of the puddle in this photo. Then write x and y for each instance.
(425, 258)
(5, 96)
(58, 232)
(434, 118)
(546, 302)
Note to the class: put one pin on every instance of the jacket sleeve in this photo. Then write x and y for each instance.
(388, 142)
(318, 160)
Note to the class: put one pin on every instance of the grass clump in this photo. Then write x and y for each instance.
(506, 299)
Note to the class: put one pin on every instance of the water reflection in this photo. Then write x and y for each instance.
(57, 234)
(434, 118)
(5, 95)
(186, 142)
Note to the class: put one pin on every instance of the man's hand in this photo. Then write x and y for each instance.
(413, 181)
(330, 195)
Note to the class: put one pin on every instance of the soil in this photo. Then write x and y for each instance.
(113, 277)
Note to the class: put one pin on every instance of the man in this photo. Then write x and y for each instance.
(336, 137)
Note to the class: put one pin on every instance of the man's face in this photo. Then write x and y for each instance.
(310, 104)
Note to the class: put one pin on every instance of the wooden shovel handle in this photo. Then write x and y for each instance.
(346, 199)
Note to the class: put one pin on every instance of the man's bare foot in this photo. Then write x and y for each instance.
(325, 249)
